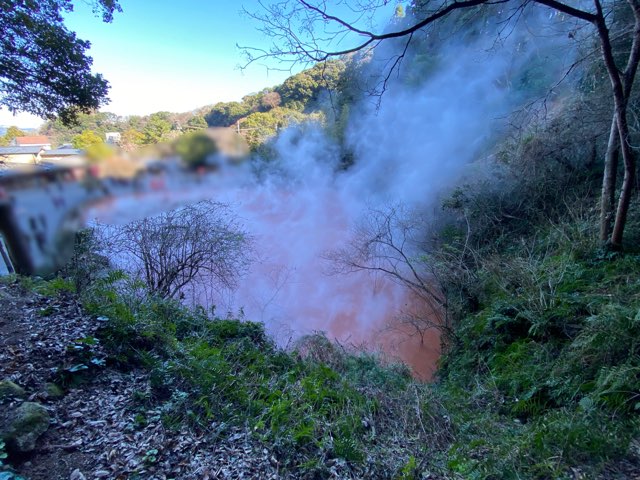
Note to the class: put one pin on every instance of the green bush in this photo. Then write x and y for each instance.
(194, 148)
(547, 357)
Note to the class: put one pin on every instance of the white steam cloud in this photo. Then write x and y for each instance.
(409, 151)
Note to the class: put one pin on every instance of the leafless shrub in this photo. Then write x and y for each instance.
(414, 324)
(199, 244)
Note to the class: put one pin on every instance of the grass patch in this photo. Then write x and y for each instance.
(546, 375)
(49, 288)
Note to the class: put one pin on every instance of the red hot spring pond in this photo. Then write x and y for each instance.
(287, 287)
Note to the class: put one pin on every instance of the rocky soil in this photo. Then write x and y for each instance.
(98, 428)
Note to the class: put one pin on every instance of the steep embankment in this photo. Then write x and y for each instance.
(146, 388)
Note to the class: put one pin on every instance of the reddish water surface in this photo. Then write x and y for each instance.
(287, 287)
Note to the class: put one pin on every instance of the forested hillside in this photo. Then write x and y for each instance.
(259, 116)
(514, 258)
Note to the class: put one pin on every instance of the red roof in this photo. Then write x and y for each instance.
(34, 140)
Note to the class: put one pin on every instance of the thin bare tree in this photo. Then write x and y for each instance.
(390, 241)
(200, 244)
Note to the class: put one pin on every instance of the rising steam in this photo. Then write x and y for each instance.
(409, 151)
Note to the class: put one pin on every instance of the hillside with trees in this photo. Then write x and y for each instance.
(529, 262)
(258, 117)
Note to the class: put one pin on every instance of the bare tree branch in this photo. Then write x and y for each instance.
(388, 241)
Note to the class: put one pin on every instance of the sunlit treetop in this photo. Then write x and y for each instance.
(44, 68)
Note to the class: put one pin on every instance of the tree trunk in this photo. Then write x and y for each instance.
(621, 83)
(607, 202)
(627, 183)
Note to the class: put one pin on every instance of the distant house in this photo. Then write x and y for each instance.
(64, 157)
(39, 155)
(113, 138)
(21, 155)
(32, 141)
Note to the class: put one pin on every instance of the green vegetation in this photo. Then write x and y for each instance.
(157, 128)
(540, 376)
(194, 148)
(203, 369)
(261, 115)
(196, 122)
(303, 96)
(52, 76)
(135, 131)
(541, 372)
(303, 90)
(261, 126)
(131, 139)
(226, 114)
(544, 374)
(99, 123)
(541, 379)
(86, 140)
(93, 145)
(10, 134)
(49, 288)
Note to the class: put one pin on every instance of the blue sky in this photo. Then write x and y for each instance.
(168, 55)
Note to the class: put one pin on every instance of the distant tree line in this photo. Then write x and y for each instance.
(300, 92)
(259, 115)
(135, 130)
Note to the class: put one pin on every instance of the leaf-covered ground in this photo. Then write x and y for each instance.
(157, 391)
(95, 432)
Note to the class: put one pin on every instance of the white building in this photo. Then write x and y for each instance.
(113, 138)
